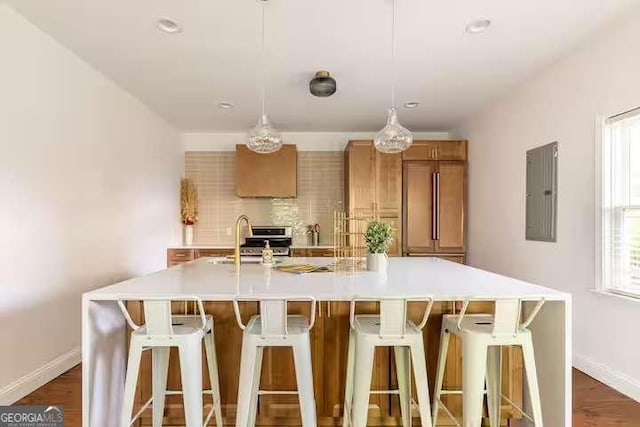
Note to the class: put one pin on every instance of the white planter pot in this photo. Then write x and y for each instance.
(377, 262)
(187, 236)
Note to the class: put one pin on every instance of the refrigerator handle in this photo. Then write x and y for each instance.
(437, 205)
(434, 201)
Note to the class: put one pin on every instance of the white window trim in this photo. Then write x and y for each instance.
(601, 287)
(598, 151)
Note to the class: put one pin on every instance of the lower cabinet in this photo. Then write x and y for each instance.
(329, 345)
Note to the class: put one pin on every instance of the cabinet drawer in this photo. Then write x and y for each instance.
(299, 252)
(321, 252)
(312, 252)
(180, 255)
(213, 252)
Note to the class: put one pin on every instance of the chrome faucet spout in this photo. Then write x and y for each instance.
(237, 242)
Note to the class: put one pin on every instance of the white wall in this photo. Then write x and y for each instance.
(306, 141)
(600, 78)
(89, 181)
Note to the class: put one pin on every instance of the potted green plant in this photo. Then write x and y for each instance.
(377, 238)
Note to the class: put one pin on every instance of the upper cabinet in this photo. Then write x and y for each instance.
(266, 175)
(436, 150)
(373, 179)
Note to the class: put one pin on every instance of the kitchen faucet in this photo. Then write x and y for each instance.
(237, 244)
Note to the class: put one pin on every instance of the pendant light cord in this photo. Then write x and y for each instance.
(393, 53)
(263, 77)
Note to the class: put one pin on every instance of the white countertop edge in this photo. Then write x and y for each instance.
(97, 296)
(198, 276)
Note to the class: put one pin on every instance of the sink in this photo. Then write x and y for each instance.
(243, 260)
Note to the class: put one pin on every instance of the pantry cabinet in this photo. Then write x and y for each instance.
(373, 186)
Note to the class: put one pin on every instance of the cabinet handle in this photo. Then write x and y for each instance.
(320, 309)
(179, 255)
(434, 201)
(437, 205)
(328, 308)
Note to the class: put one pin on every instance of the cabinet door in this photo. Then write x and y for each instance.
(421, 150)
(452, 150)
(361, 173)
(388, 182)
(450, 207)
(419, 179)
(396, 245)
(436, 150)
(336, 329)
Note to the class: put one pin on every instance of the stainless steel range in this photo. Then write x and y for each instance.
(279, 237)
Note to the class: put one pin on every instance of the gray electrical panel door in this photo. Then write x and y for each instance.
(542, 193)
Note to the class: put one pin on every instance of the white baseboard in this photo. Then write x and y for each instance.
(617, 380)
(36, 379)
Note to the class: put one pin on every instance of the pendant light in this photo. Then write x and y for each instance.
(264, 138)
(393, 138)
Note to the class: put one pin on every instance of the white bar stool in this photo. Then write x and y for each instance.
(390, 328)
(161, 331)
(273, 327)
(483, 336)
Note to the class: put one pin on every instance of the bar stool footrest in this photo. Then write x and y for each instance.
(276, 392)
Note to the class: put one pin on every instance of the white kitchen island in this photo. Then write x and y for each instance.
(104, 334)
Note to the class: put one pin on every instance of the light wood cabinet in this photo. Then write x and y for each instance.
(434, 207)
(266, 175)
(374, 179)
(436, 150)
(312, 252)
(373, 185)
(419, 207)
(451, 206)
(176, 256)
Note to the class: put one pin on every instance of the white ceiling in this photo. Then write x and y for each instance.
(215, 58)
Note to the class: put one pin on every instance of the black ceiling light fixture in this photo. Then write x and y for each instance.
(322, 84)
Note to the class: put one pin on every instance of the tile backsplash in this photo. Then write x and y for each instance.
(320, 192)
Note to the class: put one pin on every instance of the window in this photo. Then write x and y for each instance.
(620, 204)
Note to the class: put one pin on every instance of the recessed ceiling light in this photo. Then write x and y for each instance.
(225, 105)
(412, 104)
(168, 25)
(479, 26)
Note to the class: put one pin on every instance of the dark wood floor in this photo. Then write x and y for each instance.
(594, 404)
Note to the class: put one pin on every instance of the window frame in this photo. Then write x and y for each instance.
(603, 161)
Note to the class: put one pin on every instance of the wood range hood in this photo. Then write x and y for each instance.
(267, 175)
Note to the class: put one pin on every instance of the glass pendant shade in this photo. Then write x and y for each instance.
(393, 138)
(264, 138)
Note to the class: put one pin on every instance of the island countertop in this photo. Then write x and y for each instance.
(406, 277)
(105, 332)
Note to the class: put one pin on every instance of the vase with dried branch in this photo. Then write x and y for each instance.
(188, 209)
